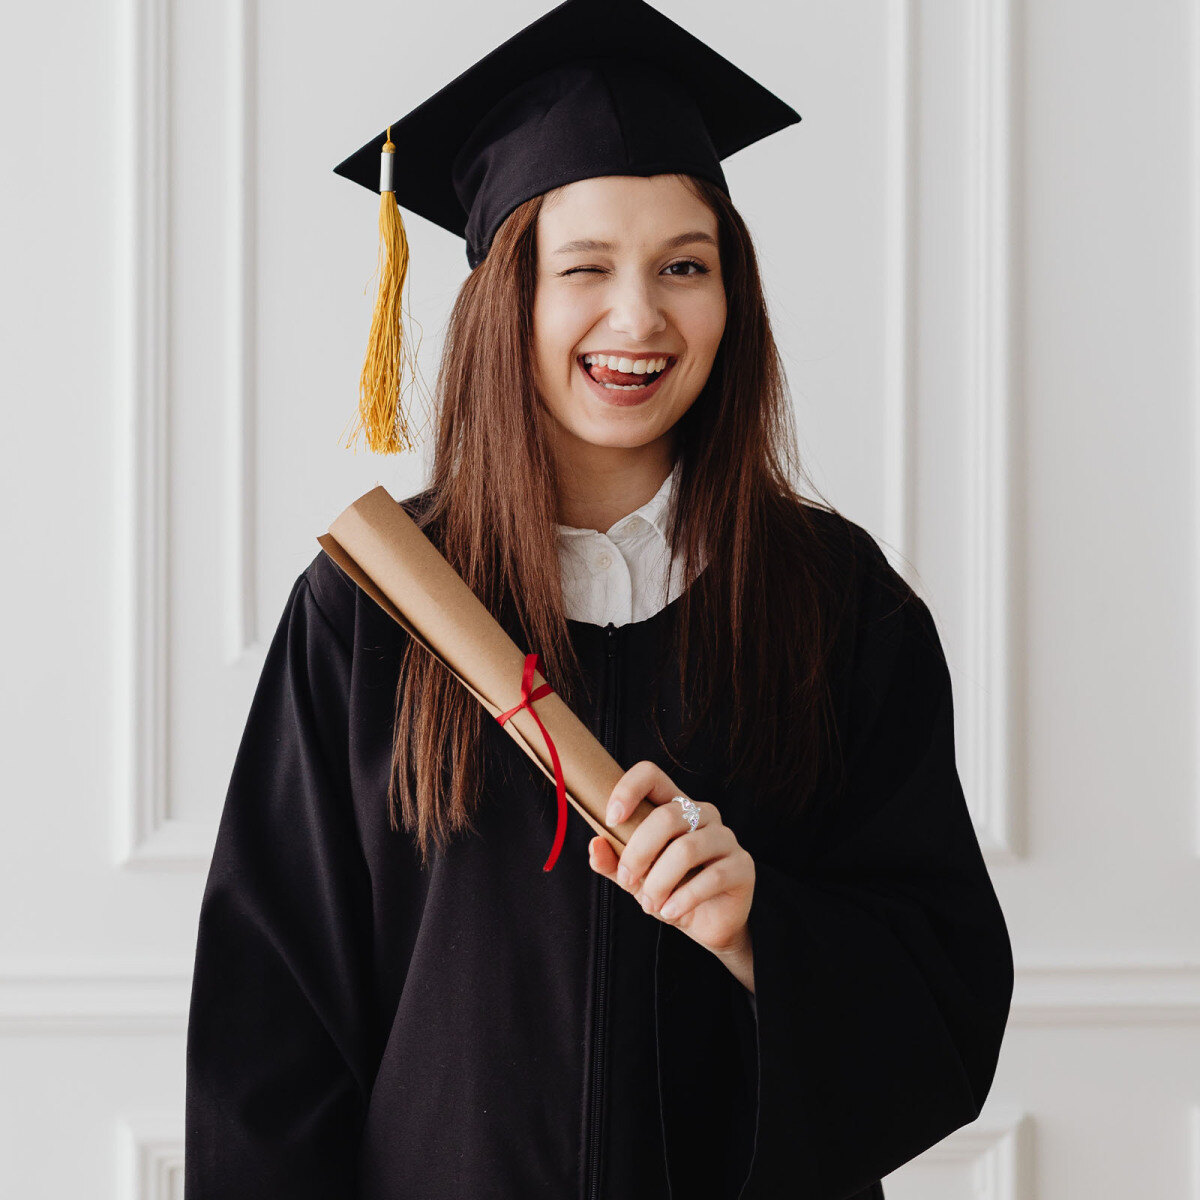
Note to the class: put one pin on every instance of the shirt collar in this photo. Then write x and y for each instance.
(655, 512)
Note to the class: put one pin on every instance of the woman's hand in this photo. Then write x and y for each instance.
(712, 906)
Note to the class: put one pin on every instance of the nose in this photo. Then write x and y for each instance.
(635, 311)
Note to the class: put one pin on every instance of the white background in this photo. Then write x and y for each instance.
(980, 252)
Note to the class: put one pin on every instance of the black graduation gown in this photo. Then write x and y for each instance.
(360, 1028)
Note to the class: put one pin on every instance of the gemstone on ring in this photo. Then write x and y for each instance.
(691, 811)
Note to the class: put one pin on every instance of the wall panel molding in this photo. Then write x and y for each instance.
(150, 1156)
(145, 832)
(1111, 994)
(983, 713)
(241, 510)
(988, 758)
(996, 1146)
(900, 172)
(142, 305)
(1194, 267)
(1193, 1136)
(90, 999)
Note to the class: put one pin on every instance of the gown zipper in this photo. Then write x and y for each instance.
(603, 939)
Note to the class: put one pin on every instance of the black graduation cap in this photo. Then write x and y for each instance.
(593, 87)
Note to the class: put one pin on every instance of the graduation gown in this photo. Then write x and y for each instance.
(362, 1028)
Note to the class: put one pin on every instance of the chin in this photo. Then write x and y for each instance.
(624, 431)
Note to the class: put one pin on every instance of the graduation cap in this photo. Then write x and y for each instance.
(593, 87)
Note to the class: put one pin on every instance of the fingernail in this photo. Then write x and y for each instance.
(623, 876)
(613, 814)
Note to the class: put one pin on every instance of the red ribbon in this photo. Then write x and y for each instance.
(560, 784)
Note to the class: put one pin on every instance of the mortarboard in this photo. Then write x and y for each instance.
(593, 87)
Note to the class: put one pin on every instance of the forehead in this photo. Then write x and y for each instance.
(624, 210)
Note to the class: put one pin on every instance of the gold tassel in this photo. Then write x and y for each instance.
(379, 410)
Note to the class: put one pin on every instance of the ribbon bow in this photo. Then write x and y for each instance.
(560, 784)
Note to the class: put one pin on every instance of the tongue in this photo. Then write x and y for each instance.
(606, 375)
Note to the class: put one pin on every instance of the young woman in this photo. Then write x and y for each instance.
(797, 976)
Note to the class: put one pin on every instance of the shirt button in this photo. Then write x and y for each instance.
(604, 559)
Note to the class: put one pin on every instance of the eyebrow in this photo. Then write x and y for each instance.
(682, 239)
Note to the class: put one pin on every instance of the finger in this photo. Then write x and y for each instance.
(602, 858)
(659, 830)
(683, 860)
(645, 780)
(674, 869)
(716, 877)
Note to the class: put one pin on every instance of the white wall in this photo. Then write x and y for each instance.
(980, 248)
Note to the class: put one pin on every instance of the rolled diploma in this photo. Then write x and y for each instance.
(384, 551)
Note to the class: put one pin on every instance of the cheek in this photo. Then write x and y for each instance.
(560, 322)
(706, 324)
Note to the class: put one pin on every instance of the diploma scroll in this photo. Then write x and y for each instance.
(384, 551)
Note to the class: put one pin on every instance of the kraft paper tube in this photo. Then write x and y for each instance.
(382, 549)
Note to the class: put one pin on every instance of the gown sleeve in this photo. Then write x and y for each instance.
(277, 1066)
(882, 963)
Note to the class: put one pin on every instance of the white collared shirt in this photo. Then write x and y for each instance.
(621, 575)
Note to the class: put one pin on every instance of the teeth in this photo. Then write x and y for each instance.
(630, 366)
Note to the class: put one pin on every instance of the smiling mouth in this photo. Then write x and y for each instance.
(618, 381)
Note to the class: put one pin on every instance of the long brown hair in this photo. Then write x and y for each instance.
(491, 509)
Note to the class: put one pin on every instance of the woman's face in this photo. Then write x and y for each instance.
(628, 266)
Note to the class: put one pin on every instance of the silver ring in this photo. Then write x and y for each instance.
(691, 812)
